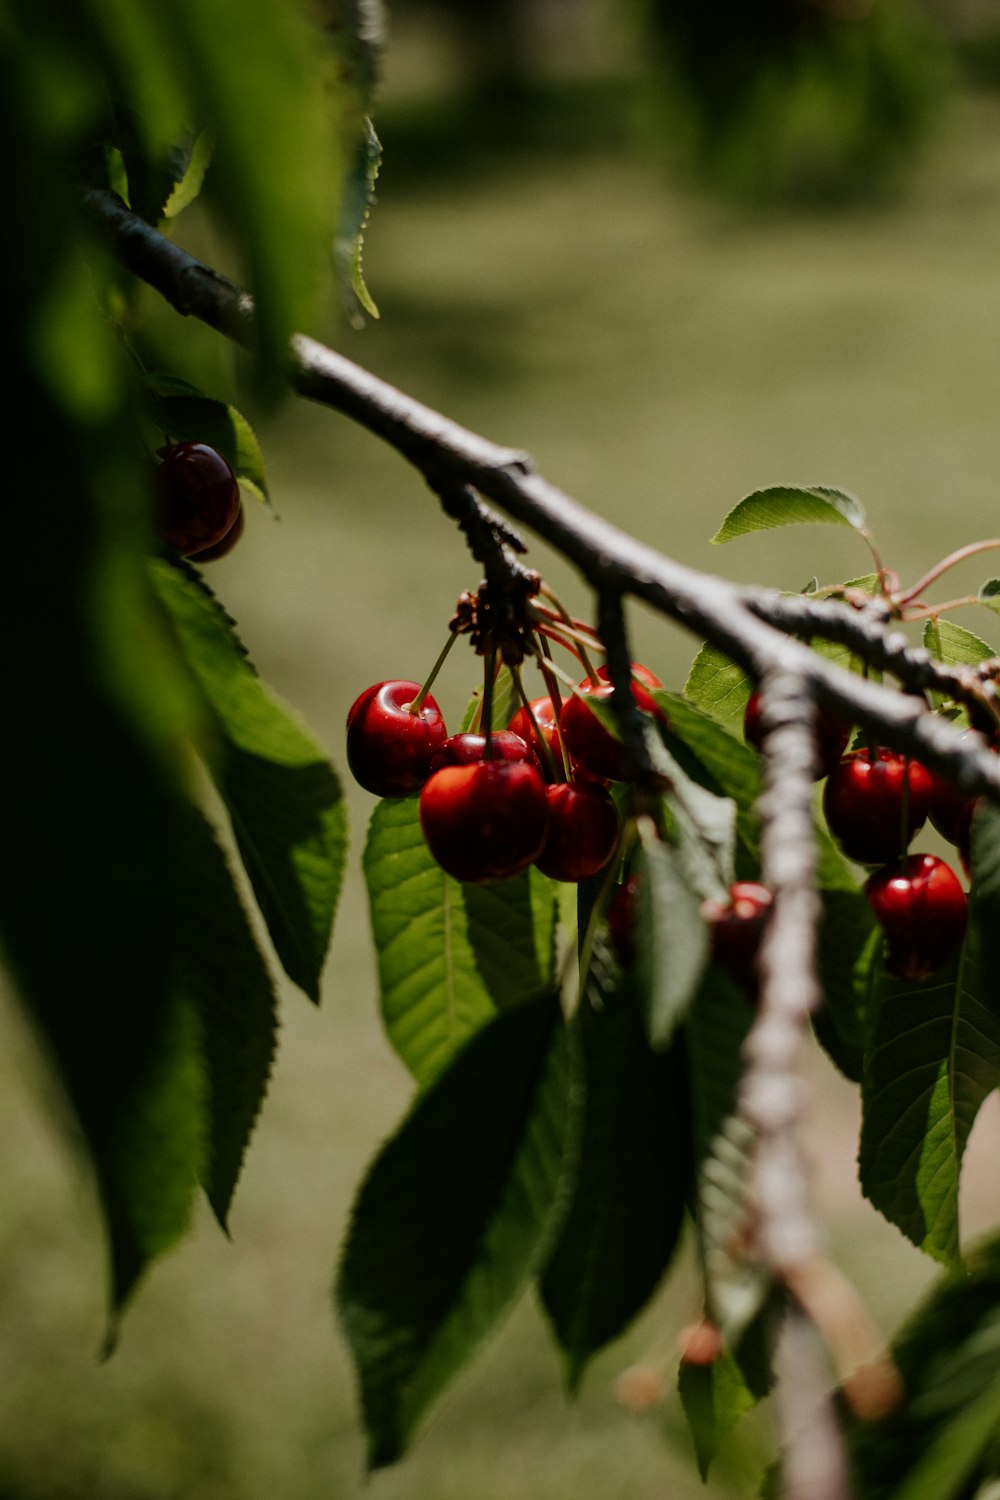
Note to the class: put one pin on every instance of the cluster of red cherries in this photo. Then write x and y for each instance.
(199, 510)
(536, 793)
(874, 802)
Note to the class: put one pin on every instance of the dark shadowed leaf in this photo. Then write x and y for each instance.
(449, 955)
(933, 1057)
(280, 791)
(672, 940)
(227, 980)
(789, 505)
(634, 1174)
(456, 1214)
(847, 948)
(717, 1026)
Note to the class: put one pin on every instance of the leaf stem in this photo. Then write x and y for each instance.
(959, 555)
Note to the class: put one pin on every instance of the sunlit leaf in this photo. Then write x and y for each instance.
(719, 687)
(789, 505)
(954, 645)
(457, 1212)
(449, 955)
(989, 594)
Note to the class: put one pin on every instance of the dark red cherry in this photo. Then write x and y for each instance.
(863, 801)
(922, 909)
(486, 821)
(832, 734)
(621, 919)
(390, 748)
(589, 743)
(198, 495)
(545, 718)
(466, 749)
(225, 545)
(583, 830)
(736, 928)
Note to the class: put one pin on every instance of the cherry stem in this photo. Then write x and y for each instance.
(579, 627)
(869, 540)
(560, 639)
(548, 620)
(942, 567)
(931, 611)
(550, 673)
(489, 674)
(567, 619)
(418, 702)
(556, 771)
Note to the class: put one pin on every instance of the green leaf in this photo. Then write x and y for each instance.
(628, 1208)
(847, 947)
(954, 645)
(941, 1441)
(989, 594)
(933, 1057)
(189, 184)
(449, 955)
(505, 701)
(185, 415)
(224, 974)
(719, 687)
(672, 944)
(789, 505)
(717, 1026)
(714, 1398)
(456, 1214)
(282, 795)
(355, 208)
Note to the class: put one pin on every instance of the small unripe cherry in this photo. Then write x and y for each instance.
(389, 747)
(198, 495)
(588, 742)
(583, 830)
(921, 907)
(832, 734)
(486, 821)
(864, 799)
(736, 928)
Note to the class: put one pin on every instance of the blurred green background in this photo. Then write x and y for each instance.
(543, 277)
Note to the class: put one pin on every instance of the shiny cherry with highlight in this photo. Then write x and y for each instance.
(486, 821)
(198, 497)
(467, 749)
(864, 801)
(922, 909)
(548, 730)
(389, 747)
(583, 830)
(587, 740)
(736, 928)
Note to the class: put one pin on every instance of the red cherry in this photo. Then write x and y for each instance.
(389, 749)
(863, 802)
(737, 927)
(468, 749)
(546, 719)
(951, 812)
(486, 821)
(587, 740)
(921, 907)
(225, 545)
(832, 734)
(199, 498)
(621, 919)
(583, 830)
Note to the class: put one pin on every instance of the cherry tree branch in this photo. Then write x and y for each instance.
(753, 626)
